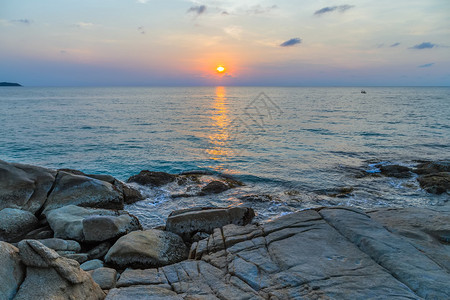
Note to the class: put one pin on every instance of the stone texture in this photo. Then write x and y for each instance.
(90, 224)
(15, 223)
(105, 277)
(50, 276)
(92, 265)
(61, 245)
(12, 271)
(431, 167)
(99, 251)
(214, 187)
(151, 178)
(84, 191)
(131, 277)
(435, 183)
(144, 249)
(187, 222)
(142, 293)
(24, 186)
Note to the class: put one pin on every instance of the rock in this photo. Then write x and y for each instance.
(435, 183)
(12, 272)
(143, 293)
(105, 277)
(92, 265)
(130, 194)
(23, 186)
(99, 251)
(131, 277)
(84, 191)
(39, 234)
(187, 222)
(89, 224)
(214, 187)
(395, 171)
(50, 276)
(145, 249)
(150, 178)
(432, 167)
(15, 223)
(78, 257)
(61, 245)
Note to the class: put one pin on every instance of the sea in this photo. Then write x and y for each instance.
(293, 148)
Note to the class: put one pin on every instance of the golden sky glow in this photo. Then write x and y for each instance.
(220, 69)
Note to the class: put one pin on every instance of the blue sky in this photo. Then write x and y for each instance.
(174, 42)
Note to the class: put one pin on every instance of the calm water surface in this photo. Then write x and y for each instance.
(292, 145)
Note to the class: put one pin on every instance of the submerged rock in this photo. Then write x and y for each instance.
(214, 187)
(432, 167)
(396, 171)
(435, 183)
(147, 249)
(14, 223)
(12, 271)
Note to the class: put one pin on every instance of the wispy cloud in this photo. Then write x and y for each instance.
(198, 9)
(328, 9)
(233, 31)
(84, 24)
(426, 65)
(258, 9)
(424, 45)
(141, 29)
(291, 42)
(395, 44)
(22, 21)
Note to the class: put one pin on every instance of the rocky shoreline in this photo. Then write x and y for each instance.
(65, 235)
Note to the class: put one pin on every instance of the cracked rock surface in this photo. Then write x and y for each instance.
(328, 253)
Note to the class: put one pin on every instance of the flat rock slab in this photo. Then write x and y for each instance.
(338, 253)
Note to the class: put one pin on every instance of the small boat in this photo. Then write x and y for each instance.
(363, 92)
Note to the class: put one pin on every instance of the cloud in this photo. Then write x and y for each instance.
(84, 24)
(141, 29)
(22, 21)
(426, 65)
(395, 44)
(233, 31)
(258, 9)
(291, 42)
(199, 9)
(424, 45)
(340, 8)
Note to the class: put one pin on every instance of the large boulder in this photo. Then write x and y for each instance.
(50, 276)
(187, 222)
(151, 178)
(12, 271)
(84, 191)
(90, 224)
(435, 183)
(15, 223)
(24, 186)
(147, 249)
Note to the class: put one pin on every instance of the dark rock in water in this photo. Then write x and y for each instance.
(12, 271)
(147, 249)
(9, 84)
(256, 198)
(395, 171)
(214, 187)
(197, 172)
(14, 223)
(432, 167)
(151, 178)
(131, 195)
(435, 183)
(340, 192)
(187, 222)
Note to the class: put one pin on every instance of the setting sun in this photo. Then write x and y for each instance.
(220, 69)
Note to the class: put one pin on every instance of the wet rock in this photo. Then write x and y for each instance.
(214, 187)
(50, 276)
(146, 249)
(143, 293)
(131, 195)
(61, 245)
(12, 271)
(396, 171)
(151, 178)
(91, 265)
(435, 183)
(105, 277)
(81, 190)
(256, 198)
(187, 222)
(432, 167)
(89, 224)
(15, 223)
(24, 186)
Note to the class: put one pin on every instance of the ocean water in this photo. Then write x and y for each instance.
(291, 146)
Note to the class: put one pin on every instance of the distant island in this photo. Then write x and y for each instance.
(9, 84)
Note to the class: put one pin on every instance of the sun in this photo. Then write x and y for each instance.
(220, 69)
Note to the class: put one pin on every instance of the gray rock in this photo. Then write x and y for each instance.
(131, 277)
(214, 187)
(74, 222)
(187, 222)
(144, 249)
(432, 167)
(39, 234)
(395, 171)
(12, 271)
(130, 194)
(23, 186)
(142, 293)
(50, 276)
(61, 245)
(15, 223)
(435, 183)
(99, 251)
(84, 191)
(105, 277)
(78, 257)
(92, 265)
(150, 178)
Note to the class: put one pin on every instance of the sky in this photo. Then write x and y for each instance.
(260, 43)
